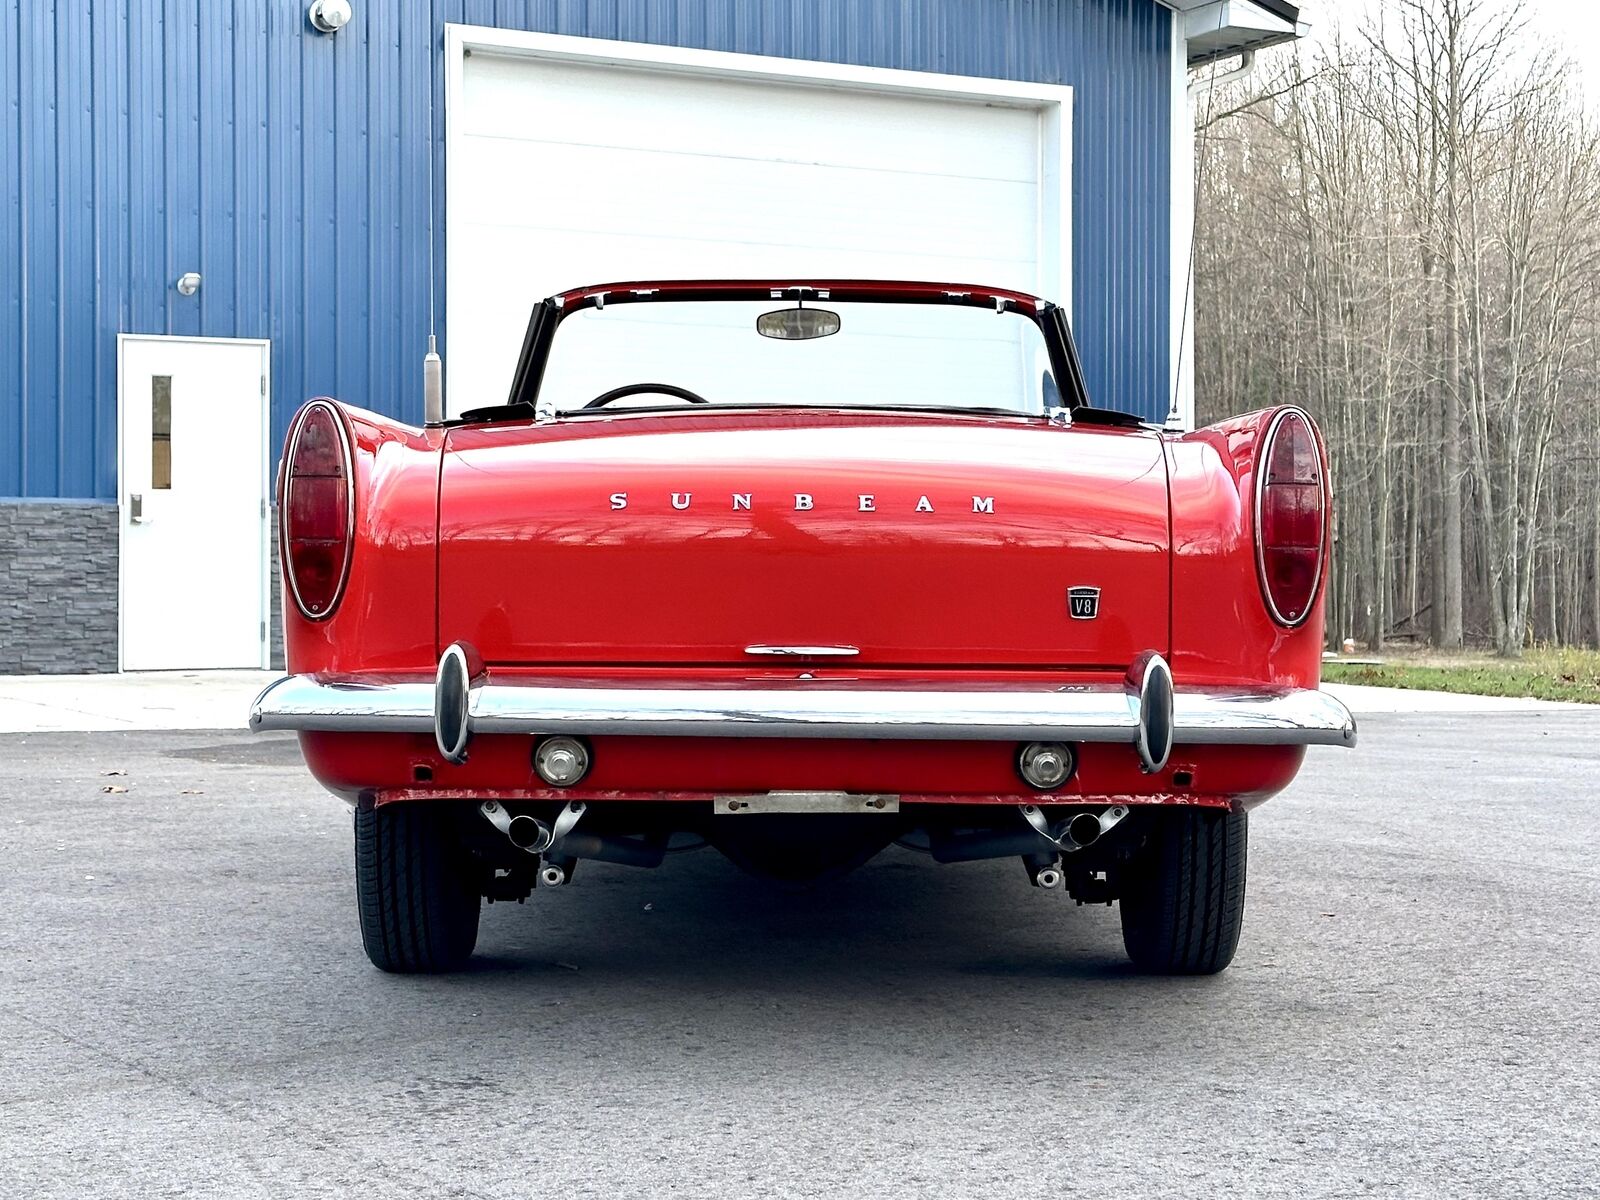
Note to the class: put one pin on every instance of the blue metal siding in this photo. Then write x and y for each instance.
(10, 256)
(145, 139)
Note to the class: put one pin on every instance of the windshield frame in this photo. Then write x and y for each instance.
(548, 314)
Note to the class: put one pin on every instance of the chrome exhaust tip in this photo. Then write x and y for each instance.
(552, 876)
(1078, 831)
(1047, 877)
(524, 832)
(1083, 830)
(529, 834)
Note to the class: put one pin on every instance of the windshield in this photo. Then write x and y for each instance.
(874, 355)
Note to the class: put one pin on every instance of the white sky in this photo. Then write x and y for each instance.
(1572, 27)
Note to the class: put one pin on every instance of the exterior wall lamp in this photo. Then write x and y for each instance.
(329, 16)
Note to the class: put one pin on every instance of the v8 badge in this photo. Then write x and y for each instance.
(1083, 603)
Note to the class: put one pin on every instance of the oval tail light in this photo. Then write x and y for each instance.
(315, 510)
(1291, 517)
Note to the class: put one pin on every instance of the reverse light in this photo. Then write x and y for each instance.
(318, 494)
(1046, 765)
(561, 761)
(1291, 517)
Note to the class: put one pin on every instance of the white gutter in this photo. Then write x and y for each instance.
(1247, 64)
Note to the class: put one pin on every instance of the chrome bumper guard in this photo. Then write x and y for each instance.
(1145, 712)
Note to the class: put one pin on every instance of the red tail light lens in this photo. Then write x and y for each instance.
(315, 510)
(1291, 517)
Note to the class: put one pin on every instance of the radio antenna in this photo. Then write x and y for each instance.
(432, 364)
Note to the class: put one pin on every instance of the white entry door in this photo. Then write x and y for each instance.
(193, 502)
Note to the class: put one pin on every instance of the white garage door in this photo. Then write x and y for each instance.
(571, 161)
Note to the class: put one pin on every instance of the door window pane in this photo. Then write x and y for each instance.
(161, 432)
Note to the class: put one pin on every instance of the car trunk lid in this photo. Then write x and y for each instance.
(733, 538)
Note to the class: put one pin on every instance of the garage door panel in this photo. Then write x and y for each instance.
(746, 201)
(529, 100)
(562, 175)
(646, 255)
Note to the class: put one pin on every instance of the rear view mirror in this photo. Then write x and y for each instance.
(797, 324)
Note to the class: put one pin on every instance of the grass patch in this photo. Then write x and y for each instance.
(1539, 674)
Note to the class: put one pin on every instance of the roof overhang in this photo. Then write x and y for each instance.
(1221, 28)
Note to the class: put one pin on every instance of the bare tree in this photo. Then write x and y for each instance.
(1402, 234)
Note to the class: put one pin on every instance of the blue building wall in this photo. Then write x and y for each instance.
(142, 139)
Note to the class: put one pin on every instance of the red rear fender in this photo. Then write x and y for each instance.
(385, 619)
(1222, 630)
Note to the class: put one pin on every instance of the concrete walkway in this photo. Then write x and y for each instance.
(221, 700)
(135, 700)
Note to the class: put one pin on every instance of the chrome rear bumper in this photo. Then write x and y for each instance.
(800, 708)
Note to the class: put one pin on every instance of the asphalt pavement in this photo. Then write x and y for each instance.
(1415, 1009)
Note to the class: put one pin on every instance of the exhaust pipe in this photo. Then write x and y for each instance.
(526, 833)
(623, 851)
(1082, 831)
(1079, 831)
(533, 836)
(529, 833)
(975, 847)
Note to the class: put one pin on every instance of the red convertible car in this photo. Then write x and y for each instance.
(800, 570)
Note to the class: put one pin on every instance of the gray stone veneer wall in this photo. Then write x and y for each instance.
(275, 592)
(58, 587)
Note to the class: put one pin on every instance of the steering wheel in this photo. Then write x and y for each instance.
(639, 389)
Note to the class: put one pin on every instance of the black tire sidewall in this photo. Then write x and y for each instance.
(1182, 901)
(416, 894)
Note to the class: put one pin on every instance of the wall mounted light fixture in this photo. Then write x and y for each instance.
(329, 16)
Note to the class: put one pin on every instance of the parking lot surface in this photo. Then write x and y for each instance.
(1415, 1009)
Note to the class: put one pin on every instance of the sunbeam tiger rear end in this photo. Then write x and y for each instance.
(798, 570)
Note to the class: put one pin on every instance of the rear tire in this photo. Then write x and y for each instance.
(1183, 901)
(415, 890)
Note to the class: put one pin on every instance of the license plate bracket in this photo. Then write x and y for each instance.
(760, 803)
